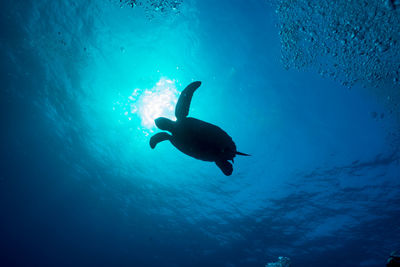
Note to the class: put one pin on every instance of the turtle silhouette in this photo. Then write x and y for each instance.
(196, 138)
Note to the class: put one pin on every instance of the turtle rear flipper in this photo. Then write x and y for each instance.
(183, 105)
(225, 167)
(157, 138)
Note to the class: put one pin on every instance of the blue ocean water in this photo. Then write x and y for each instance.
(82, 82)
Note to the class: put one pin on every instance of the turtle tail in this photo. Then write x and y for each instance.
(242, 154)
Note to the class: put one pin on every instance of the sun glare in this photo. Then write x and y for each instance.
(149, 104)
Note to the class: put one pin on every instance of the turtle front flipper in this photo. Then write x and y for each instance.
(225, 167)
(159, 137)
(183, 105)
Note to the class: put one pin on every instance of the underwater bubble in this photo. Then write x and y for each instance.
(353, 46)
(153, 7)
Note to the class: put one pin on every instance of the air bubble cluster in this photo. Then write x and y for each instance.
(351, 41)
(153, 6)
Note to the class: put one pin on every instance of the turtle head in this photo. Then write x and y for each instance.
(164, 124)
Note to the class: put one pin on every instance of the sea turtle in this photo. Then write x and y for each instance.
(196, 138)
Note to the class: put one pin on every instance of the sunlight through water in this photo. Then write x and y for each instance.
(149, 104)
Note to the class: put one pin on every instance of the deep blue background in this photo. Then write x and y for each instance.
(79, 184)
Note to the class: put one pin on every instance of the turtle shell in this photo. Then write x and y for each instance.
(202, 140)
